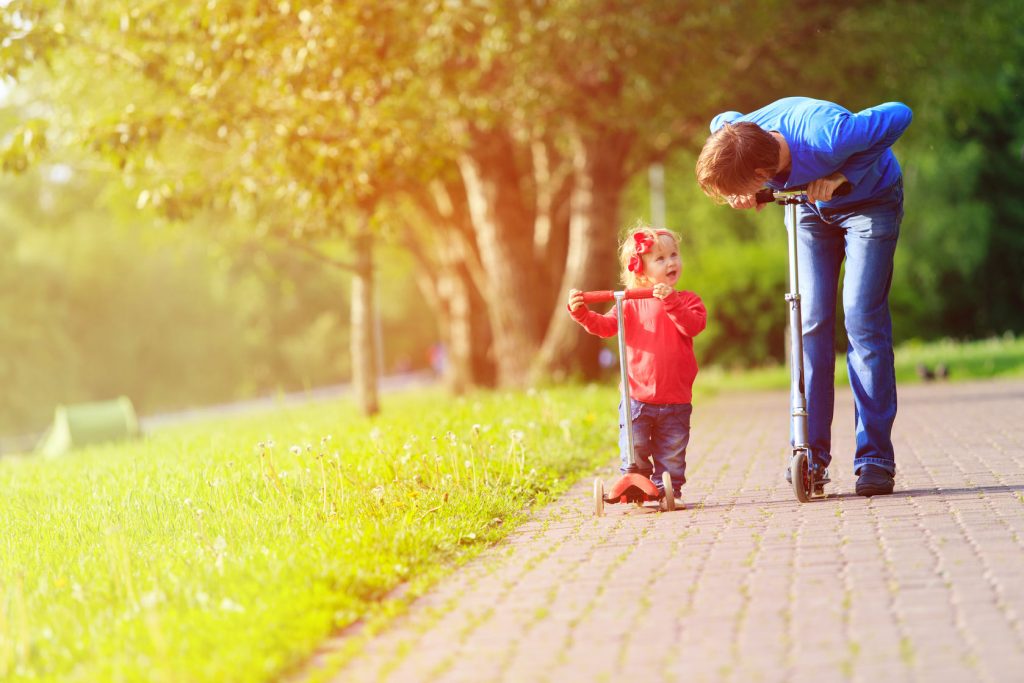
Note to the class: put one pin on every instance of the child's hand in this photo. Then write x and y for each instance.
(662, 291)
(575, 299)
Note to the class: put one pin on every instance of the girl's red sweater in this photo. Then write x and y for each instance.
(659, 343)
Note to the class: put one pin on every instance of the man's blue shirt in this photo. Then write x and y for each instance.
(824, 138)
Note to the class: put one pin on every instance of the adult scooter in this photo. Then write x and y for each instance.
(806, 473)
(631, 487)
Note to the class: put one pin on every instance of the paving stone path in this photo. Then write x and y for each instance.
(747, 584)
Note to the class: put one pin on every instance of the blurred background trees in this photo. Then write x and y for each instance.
(208, 201)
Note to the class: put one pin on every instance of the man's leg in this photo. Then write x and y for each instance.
(819, 257)
(871, 237)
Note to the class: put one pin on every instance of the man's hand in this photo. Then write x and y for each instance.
(575, 299)
(821, 190)
(662, 291)
(744, 201)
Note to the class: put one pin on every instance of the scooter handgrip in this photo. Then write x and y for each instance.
(767, 195)
(603, 295)
(597, 297)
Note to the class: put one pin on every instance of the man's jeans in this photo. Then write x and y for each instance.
(865, 235)
(661, 431)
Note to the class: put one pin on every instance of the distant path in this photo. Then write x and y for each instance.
(408, 380)
(27, 442)
(749, 585)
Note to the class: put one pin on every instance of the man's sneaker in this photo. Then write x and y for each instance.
(874, 481)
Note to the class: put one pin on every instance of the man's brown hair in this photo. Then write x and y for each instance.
(732, 157)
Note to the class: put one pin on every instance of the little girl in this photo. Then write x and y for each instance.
(659, 344)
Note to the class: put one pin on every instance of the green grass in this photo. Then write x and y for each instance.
(985, 359)
(199, 555)
(214, 552)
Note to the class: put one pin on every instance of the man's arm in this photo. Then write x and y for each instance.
(858, 139)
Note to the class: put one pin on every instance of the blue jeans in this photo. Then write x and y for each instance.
(661, 432)
(865, 236)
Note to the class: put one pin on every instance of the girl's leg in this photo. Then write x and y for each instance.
(642, 423)
(819, 258)
(669, 439)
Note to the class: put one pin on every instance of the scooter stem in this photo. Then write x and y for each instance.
(797, 396)
(627, 409)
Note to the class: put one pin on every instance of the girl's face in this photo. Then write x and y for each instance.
(662, 263)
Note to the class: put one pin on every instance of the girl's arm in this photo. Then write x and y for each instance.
(687, 312)
(599, 325)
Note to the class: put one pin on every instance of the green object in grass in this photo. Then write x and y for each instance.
(89, 423)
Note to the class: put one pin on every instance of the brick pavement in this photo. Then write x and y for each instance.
(747, 584)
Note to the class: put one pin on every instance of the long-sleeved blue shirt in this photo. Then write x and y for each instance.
(824, 138)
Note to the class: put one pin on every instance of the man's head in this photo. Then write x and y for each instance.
(737, 160)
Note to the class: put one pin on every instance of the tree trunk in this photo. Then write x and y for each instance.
(450, 275)
(364, 356)
(592, 259)
(503, 224)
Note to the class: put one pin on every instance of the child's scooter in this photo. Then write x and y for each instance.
(631, 487)
(805, 473)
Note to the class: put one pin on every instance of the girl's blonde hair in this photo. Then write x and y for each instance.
(628, 250)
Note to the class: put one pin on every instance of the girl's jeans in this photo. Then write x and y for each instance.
(865, 235)
(661, 431)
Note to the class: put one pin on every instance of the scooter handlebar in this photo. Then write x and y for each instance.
(603, 295)
(768, 195)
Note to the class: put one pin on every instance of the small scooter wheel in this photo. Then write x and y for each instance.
(801, 476)
(670, 499)
(598, 498)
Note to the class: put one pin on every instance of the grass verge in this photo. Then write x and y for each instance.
(984, 359)
(228, 551)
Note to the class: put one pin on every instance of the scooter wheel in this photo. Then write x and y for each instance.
(598, 498)
(801, 476)
(669, 499)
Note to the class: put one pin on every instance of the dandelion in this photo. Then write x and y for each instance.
(516, 435)
(149, 600)
(229, 605)
(261, 445)
(451, 437)
(377, 492)
(376, 434)
(270, 444)
(295, 450)
(475, 429)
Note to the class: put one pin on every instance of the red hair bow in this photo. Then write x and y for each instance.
(642, 243)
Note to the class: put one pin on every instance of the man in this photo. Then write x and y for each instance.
(801, 141)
